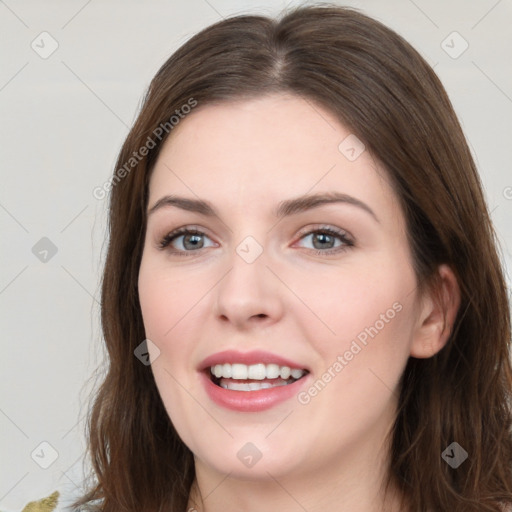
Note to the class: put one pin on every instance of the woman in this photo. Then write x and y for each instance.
(302, 300)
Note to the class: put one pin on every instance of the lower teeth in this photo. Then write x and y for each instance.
(252, 386)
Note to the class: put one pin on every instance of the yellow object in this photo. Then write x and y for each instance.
(45, 505)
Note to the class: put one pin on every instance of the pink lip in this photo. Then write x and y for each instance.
(250, 401)
(248, 358)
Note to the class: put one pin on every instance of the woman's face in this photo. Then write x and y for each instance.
(298, 258)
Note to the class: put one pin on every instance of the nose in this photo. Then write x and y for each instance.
(249, 294)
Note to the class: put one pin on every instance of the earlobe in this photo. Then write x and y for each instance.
(438, 311)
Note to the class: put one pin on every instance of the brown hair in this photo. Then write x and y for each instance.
(384, 91)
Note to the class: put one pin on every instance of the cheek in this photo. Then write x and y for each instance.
(361, 323)
(158, 305)
(359, 368)
(348, 302)
(166, 298)
(167, 304)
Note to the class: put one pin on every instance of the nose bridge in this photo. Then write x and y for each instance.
(249, 289)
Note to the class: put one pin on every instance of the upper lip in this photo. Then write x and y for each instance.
(248, 358)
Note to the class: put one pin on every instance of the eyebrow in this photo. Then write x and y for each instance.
(284, 208)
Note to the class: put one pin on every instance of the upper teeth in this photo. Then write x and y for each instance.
(255, 371)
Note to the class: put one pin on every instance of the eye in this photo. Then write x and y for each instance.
(327, 240)
(185, 240)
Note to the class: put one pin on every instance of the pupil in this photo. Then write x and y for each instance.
(195, 241)
(323, 238)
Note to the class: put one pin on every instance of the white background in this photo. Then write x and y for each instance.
(63, 120)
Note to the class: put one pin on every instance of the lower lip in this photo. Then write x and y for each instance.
(251, 401)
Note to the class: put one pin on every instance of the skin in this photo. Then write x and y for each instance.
(295, 300)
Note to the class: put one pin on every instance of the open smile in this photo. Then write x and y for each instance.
(251, 382)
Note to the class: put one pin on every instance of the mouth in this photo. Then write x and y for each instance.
(251, 381)
(254, 377)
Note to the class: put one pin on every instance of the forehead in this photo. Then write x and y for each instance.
(259, 151)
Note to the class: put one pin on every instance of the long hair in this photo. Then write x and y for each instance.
(387, 95)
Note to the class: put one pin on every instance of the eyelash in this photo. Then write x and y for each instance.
(341, 235)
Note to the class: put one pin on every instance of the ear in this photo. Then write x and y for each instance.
(437, 314)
